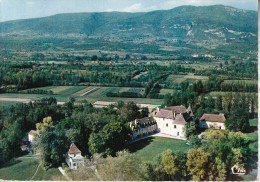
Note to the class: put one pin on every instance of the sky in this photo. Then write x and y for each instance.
(23, 9)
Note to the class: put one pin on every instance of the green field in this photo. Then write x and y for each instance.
(151, 147)
(63, 93)
(253, 135)
(191, 78)
(24, 169)
(7, 103)
(166, 91)
(196, 77)
(172, 78)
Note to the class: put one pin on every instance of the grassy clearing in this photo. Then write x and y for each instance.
(24, 169)
(24, 96)
(55, 89)
(151, 147)
(196, 77)
(50, 174)
(19, 169)
(172, 78)
(166, 91)
(179, 80)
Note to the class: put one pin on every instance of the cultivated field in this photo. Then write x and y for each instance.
(151, 147)
(196, 77)
(166, 91)
(80, 93)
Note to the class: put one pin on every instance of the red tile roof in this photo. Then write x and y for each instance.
(214, 118)
(179, 119)
(73, 149)
(32, 132)
(164, 113)
(190, 111)
(177, 109)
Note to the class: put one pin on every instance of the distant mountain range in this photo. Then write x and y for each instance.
(204, 26)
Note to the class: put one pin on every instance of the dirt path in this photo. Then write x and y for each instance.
(89, 91)
(35, 172)
(15, 99)
(64, 174)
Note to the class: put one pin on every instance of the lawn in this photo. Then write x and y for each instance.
(23, 169)
(166, 91)
(253, 135)
(151, 147)
(50, 174)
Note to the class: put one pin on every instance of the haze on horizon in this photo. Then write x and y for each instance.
(24, 9)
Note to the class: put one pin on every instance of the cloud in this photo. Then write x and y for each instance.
(133, 8)
(30, 3)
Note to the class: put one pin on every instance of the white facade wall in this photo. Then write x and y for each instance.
(143, 131)
(74, 165)
(208, 124)
(168, 127)
(31, 137)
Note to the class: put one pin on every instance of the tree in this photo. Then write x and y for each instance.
(197, 163)
(221, 170)
(52, 146)
(168, 162)
(219, 103)
(123, 167)
(195, 141)
(47, 122)
(127, 57)
(94, 58)
(167, 166)
(190, 130)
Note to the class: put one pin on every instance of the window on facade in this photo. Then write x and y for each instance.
(174, 126)
(167, 125)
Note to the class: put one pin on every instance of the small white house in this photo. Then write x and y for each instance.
(74, 158)
(212, 120)
(31, 135)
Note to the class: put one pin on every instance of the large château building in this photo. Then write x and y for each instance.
(169, 120)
